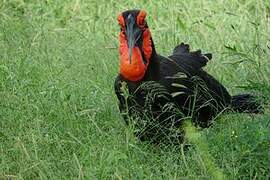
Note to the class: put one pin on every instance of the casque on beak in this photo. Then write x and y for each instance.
(133, 33)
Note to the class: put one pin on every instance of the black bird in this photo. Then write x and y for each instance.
(163, 91)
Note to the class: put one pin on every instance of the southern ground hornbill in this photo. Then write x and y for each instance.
(158, 93)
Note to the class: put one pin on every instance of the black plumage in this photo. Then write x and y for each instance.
(173, 88)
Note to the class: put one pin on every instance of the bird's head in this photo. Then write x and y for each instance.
(135, 44)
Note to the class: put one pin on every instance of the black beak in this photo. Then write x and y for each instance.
(133, 33)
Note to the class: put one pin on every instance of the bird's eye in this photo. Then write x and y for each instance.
(141, 22)
(121, 21)
(141, 19)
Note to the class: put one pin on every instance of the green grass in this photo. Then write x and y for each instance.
(58, 112)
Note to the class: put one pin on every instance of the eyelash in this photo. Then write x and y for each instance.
(141, 22)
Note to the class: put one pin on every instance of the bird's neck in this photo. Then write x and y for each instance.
(143, 63)
(152, 72)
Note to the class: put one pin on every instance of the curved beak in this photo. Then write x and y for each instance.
(133, 33)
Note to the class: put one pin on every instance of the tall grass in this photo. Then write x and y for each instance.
(58, 112)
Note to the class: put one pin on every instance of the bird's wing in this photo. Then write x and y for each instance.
(190, 63)
(189, 60)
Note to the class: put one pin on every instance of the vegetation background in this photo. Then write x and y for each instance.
(58, 112)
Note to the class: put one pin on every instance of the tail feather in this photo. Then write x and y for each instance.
(246, 103)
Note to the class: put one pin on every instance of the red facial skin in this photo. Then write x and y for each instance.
(135, 70)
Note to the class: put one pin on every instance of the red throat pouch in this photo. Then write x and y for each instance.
(135, 70)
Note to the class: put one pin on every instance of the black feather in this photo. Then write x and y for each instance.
(173, 88)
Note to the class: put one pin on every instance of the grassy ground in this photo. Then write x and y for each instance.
(58, 112)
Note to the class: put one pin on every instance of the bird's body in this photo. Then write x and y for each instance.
(168, 88)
